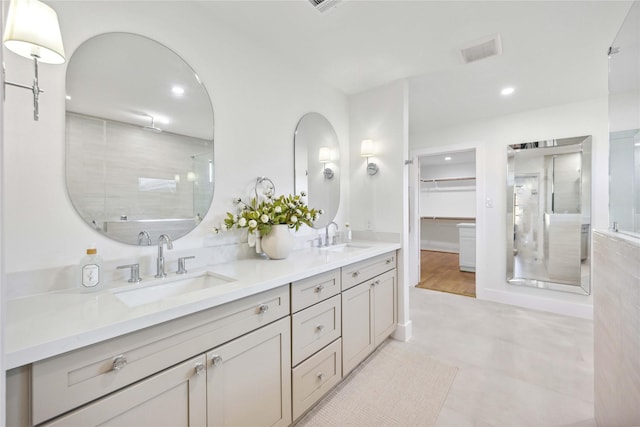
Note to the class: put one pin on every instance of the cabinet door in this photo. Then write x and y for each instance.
(173, 398)
(385, 306)
(357, 325)
(249, 379)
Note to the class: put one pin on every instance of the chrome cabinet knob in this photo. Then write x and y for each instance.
(320, 376)
(216, 360)
(319, 328)
(199, 368)
(389, 260)
(355, 274)
(119, 362)
(263, 308)
(319, 288)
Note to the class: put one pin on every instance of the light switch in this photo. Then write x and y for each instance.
(488, 202)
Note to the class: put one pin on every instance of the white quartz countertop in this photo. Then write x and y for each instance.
(45, 325)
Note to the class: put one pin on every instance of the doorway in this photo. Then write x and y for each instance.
(447, 217)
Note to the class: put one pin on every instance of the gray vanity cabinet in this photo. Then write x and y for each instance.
(175, 397)
(153, 377)
(248, 379)
(315, 344)
(369, 309)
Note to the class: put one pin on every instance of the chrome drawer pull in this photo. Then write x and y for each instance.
(199, 368)
(355, 274)
(119, 362)
(216, 360)
(377, 282)
(320, 375)
(319, 288)
(319, 328)
(389, 260)
(263, 308)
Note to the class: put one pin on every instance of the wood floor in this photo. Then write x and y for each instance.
(440, 271)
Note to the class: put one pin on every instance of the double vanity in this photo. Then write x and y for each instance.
(250, 342)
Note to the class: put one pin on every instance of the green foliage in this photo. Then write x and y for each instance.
(290, 210)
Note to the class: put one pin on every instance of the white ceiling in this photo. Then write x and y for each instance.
(554, 52)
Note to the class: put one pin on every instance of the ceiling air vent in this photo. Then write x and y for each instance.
(482, 48)
(323, 6)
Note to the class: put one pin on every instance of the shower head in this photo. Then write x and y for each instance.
(152, 127)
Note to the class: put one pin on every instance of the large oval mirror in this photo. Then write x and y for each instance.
(317, 165)
(139, 139)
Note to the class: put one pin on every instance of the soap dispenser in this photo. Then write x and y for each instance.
(91, 270)
(348, 236)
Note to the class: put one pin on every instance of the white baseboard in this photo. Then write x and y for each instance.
(403, 332)
(566, 308)
(431, 245)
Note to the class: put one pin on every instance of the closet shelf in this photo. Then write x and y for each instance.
(454, 218)
(471, 178)
(448, 184)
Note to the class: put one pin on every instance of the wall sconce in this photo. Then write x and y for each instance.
(367, 150)
(33, 32)
(326, 156)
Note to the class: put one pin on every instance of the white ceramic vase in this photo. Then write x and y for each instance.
(278, 243)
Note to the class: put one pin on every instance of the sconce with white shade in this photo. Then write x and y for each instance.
(33, 32)
(368, 149)
(325, 156)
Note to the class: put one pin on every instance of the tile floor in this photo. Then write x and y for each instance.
(517, 367)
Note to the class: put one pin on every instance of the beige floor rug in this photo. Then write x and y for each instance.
(396, 386)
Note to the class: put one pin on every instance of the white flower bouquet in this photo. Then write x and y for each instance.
(262, 216)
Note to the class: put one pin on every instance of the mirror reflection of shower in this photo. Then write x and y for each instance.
(201, 177)
(549, 201)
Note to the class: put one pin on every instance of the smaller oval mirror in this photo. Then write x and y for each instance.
(139, 139)
(317, 165)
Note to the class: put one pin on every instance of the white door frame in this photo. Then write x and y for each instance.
(414, 204)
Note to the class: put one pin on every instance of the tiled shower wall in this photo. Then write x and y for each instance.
(107, 183)
(616, 285)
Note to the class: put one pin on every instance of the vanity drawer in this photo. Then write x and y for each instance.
(315, 327)
(310, 291)
(67, 381)
(367, 269)
(313, 378)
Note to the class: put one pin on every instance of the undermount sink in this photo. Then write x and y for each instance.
(345, 247)
(170, 287)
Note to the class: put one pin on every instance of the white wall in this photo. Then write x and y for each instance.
(379, 202)
(3, 400)
(493, 136)
(257, 98)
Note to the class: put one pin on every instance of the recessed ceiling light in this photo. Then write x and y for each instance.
(507, 91)
(177, 90)
(448, 158)
(68, 97)
(162, 119)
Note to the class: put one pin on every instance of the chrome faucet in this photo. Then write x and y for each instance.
(161, 241)
(144, 236)
(326, 234)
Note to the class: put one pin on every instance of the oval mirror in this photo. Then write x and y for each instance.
(139, 139)
(317, 165)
